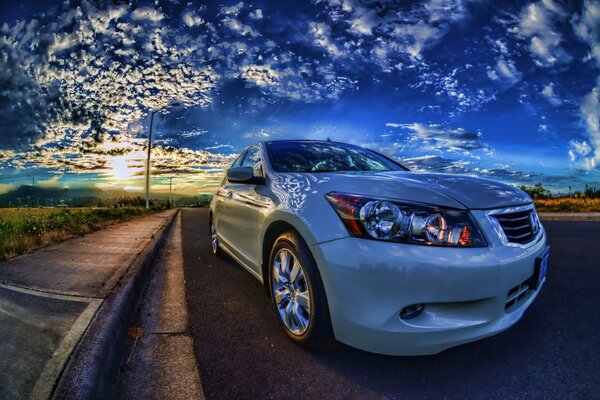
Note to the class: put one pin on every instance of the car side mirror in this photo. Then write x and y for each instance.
(244, 175)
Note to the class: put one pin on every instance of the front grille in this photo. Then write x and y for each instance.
(516, 294)
(518, 226)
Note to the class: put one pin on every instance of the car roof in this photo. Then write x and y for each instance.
(304, 141)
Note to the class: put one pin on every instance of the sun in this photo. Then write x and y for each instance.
(120, 167)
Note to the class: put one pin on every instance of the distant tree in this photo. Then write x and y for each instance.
(591, 192)
(126, 201)
(204, 200)
(537, 191)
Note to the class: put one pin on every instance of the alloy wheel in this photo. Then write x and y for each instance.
(291, 292)
(213, 237)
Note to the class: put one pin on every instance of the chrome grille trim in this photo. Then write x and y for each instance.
(509, 225)
(519, 233)
(513, 219)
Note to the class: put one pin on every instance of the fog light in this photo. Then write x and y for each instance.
(412, 311)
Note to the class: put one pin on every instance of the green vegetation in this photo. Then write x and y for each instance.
(23, 230)
(585, 201)
(537, 191)
(25, 196)
(568, 204)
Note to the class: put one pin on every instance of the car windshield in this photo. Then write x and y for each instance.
(326, 157)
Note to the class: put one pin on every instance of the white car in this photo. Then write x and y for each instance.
(352, 245)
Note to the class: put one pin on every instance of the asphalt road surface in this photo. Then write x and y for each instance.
(553, 352)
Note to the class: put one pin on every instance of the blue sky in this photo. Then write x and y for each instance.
(504, 90)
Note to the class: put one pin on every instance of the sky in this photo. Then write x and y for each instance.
(504, 90)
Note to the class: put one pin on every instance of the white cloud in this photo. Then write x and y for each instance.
(548, 93)
(291, 77)
(232, 10)
(442, 138)
(413, 38)
(147, 13)
(63, 42)
(452, 85)
(590, 111)
(6, 187)
(94, 102)
(537, 23)
(256, 14)
(261, 75)
(579, 149)
(505, 70)
(321, 38)
(263, 134)
(191, 19)
(492, 74)
(443, 10)
(362, 22)
(51, 182)
(587, 26)
(193, 133)
(393, 31)
(501, 47)
(554, 7)
(236, 26)
(586, 153)
(102, 91)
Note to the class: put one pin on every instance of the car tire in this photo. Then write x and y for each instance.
(290, 291)
(214, 239)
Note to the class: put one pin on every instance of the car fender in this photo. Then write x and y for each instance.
(317, 228)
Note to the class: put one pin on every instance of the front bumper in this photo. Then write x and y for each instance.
(465, 292)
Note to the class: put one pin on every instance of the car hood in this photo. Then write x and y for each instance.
(439, 189)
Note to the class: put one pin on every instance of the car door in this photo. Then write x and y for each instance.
(223, 219)
(243, 210)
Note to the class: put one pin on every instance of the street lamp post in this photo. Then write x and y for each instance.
(150, 149)
(170, 186)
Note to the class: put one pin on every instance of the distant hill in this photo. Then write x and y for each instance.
(82, 197)
(23, 196)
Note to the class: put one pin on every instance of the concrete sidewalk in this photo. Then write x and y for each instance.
(555, 216)
(48, 299)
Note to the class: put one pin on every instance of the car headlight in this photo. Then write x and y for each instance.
(409, 223)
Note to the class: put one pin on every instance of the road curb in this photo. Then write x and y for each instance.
(569, 216)
(92, 369)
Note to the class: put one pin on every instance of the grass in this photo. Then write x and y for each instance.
(567, 204)
(23, 230)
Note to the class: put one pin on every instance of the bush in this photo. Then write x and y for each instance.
(537, 191)
(568, 204)
(26, 229)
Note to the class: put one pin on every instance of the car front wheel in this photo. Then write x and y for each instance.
(214, 239)
(297, 292)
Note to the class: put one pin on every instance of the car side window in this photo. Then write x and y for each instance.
(252, 157)
(253, 160)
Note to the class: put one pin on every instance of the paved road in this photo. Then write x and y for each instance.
(162, 364)
(553, 352)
